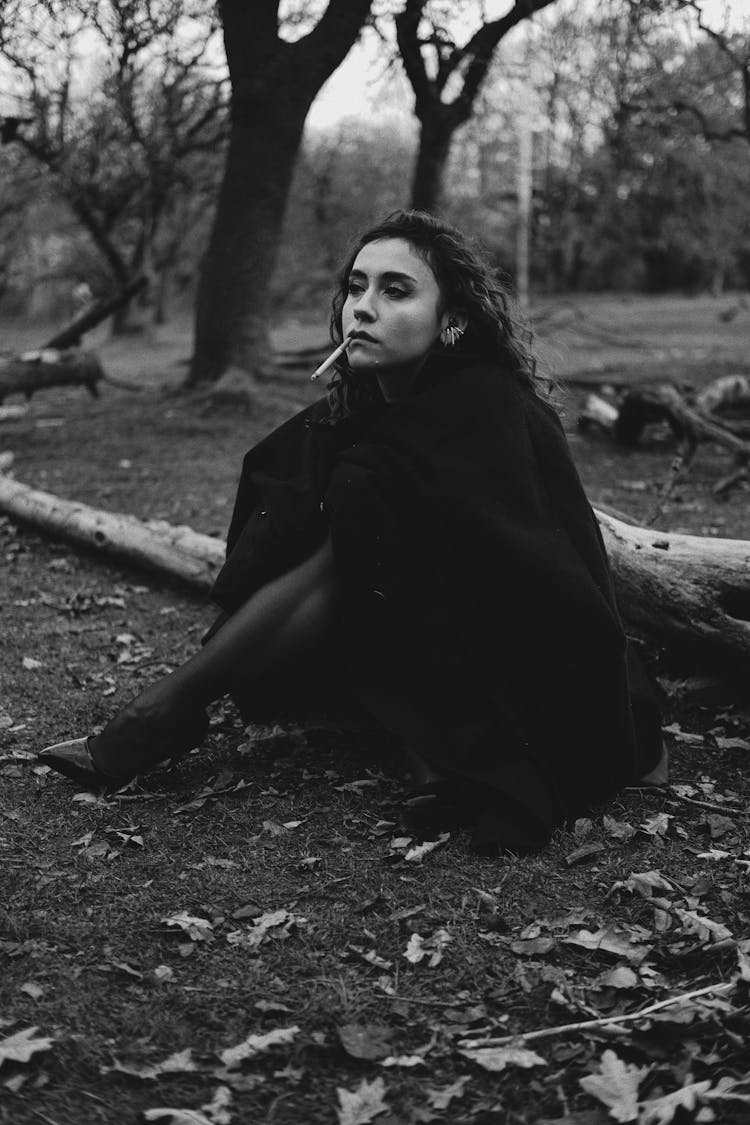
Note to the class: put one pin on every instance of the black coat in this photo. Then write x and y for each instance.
(477, 616)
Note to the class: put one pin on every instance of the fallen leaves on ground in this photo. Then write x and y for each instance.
(23, 1045)
(498, 1058)
(360, 1106)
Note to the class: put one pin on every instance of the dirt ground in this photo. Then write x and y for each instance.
(245, 936)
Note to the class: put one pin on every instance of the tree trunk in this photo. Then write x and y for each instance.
(233, 302)
(435, 136)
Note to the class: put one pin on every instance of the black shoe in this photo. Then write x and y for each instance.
(73, 760)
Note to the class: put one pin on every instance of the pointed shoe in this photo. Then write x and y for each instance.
(73, 760)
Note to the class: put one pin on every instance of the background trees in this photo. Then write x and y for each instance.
(122, 105)
(125, 153)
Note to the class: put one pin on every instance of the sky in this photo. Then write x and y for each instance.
(357, 89)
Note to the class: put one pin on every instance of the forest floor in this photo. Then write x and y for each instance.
(247, 936)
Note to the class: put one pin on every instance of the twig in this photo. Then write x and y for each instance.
(706, 805)
(603, 1021)
(723, 487)
(678, 470)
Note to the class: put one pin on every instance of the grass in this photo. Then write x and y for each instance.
(275, 819)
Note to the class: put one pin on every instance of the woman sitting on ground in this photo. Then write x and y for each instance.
(419, 541)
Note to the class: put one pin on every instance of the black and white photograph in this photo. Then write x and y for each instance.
(374, 562)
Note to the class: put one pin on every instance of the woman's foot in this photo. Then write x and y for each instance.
(158, 724)
(73, 759)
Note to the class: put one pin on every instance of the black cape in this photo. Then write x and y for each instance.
(477, 617)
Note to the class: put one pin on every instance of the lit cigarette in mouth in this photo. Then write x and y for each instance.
(332, 358)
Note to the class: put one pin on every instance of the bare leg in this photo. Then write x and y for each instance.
(280, 622)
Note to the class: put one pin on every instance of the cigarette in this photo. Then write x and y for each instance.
(332, 358)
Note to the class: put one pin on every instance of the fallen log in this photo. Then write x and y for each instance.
(682, 587)
(177, 552)
(674, 587)
(48, 367)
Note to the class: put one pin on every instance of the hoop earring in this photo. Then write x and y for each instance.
(451, 334)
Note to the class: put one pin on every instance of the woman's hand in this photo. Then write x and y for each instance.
(161, 722)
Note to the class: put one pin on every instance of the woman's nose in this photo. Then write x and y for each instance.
(363, 309)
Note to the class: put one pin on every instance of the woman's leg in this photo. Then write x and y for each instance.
(281, 622)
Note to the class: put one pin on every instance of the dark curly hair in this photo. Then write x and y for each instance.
(467, 281)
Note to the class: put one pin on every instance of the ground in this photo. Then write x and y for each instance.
(257, 897)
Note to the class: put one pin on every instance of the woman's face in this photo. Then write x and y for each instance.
(393, 306)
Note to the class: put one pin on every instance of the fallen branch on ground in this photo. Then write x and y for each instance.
(678, 587)
(36, 370)
(603, 1021)
(178, 552)
(690, 421)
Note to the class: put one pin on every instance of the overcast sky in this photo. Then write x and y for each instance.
(356, 89)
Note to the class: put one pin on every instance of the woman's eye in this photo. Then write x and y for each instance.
(355, 287)
(394, 291)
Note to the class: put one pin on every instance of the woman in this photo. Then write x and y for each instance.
(421, 541)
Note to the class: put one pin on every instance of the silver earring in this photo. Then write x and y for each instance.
(451, 334)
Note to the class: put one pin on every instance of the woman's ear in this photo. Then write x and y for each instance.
(454, 318)
(452, 327)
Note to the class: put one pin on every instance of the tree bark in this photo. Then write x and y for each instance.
(233, 301)
(435, 137)
(35, 371)
(682, 588)
(177, 552)
(273, 85)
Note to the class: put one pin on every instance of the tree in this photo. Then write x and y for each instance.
(121, 102)
(446, 79)
(274, 81)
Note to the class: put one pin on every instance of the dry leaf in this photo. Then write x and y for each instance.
(706, 929)
(681, 735)
(441, 1099)
(616, 1086)
(197, 929)
(365, 1041)
(498, 1058)
(622, 976)
(656, 825)
(257, 1045)
(417, 853)
(660, 1111)
(179, 1063)
(646, 882)
(617, 829)
(360, 1106)
(275, 923)
(418, 948)
(609, 939)
(20, 1046)
(32, 989)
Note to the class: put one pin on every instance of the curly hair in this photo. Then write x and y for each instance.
(467, 281)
